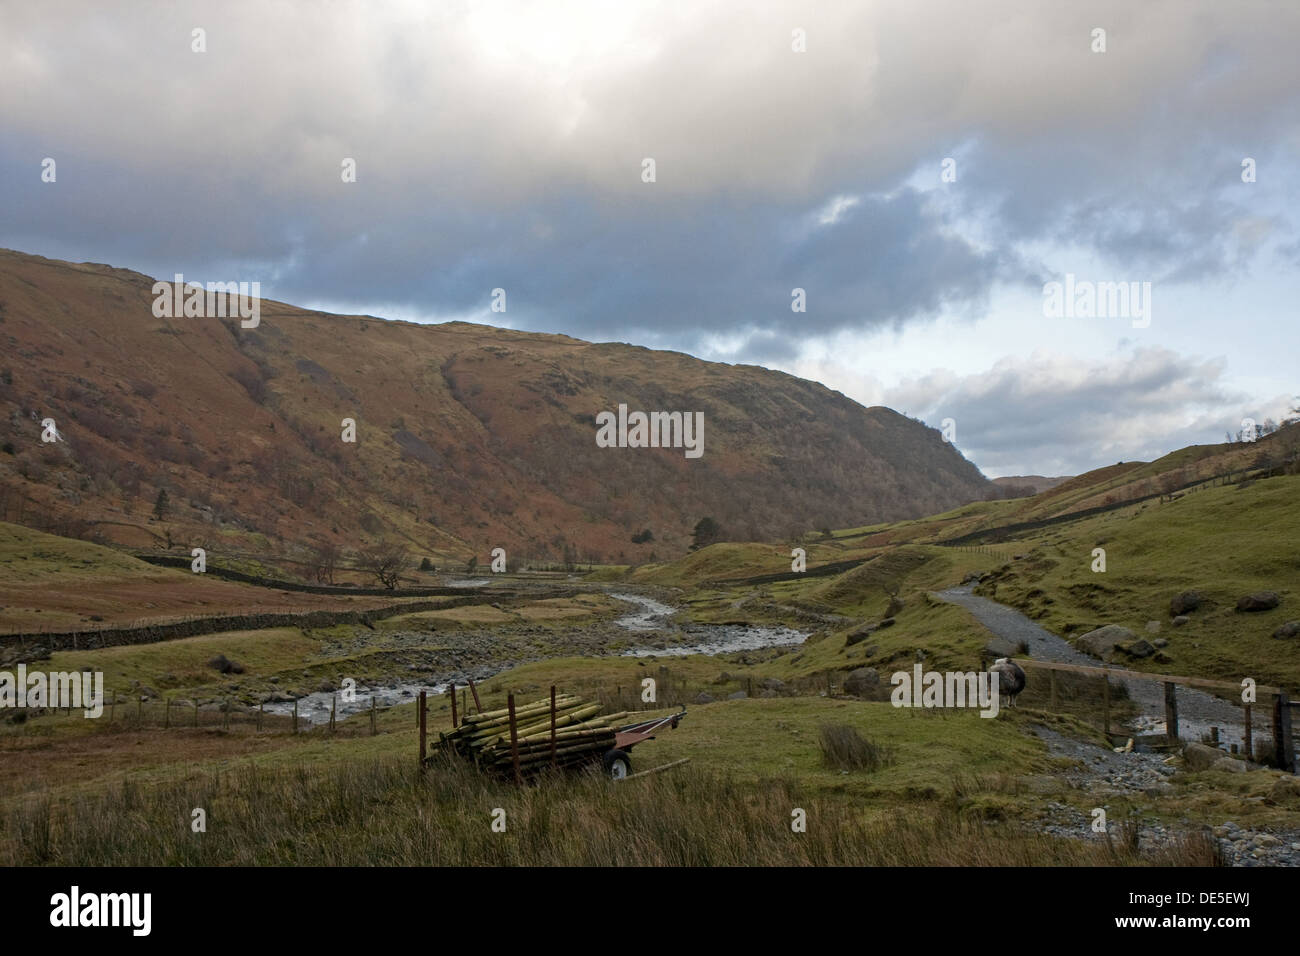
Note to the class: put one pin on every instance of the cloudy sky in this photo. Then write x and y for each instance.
(502, 145)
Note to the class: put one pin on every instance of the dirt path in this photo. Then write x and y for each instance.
(1197, 710)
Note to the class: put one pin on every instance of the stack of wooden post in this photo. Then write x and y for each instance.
(582, 735)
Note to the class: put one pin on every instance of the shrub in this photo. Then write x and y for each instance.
(843, 748)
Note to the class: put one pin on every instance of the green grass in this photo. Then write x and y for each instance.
(31, 557)
(1222, 541)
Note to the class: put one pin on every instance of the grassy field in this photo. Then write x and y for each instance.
(318, 799)
(1225, 542)
(951, 788)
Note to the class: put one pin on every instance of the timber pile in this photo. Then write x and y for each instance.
(582, 735)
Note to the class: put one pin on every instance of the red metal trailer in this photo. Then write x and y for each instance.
(617, 762)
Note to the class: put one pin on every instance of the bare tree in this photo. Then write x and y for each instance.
(326, 559)
(385, 560)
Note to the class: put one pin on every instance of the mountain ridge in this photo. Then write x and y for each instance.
(469, 436)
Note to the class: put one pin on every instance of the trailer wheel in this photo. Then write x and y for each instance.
(618, 764)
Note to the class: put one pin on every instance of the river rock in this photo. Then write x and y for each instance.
(1289, 629)
(1187, 601)
(1259, 601)
(862, 682)
(1201, 756)
(1001, 647)
(1102, 641)
(1230, 764)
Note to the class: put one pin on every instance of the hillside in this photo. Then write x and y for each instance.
(467, 437)
(1035, 483)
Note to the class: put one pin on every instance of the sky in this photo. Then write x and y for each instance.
(921, 170)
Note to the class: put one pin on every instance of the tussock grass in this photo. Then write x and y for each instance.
(843, 748)
(385, 812)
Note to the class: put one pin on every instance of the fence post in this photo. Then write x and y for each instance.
(1250, 746)
(1105, 705)
(451, 691)
(1171, 711)
(514, 736)
(1284, 753)
(334, 706)
(552, 725)
(478, 708)
(419, 719)
(261, 712)
(112, 705)
(295, 715)
(373, 731)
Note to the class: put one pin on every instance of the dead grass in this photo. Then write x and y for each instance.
(385, 812)
(843, 748)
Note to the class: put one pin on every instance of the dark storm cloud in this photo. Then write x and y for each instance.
(499, 146)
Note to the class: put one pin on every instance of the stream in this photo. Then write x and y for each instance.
(650, 617)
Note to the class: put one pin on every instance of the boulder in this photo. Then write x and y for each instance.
(862, 682)
(771, 683)
(1289, 629)
(1160, 642)
(738, 695)
(1180, 620)
(1201, 756)
(1187, 601)
(1259, 601)
(859, 635)
(703, 698)
(1102, 641)
(1230, 764)
(1142, 648)
(1153, 627)
(1001, 647)
(887, 622)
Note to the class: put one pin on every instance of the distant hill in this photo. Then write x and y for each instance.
(1036, 482)
(468, 437)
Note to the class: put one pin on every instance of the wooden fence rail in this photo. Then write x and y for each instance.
(1283, 746)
